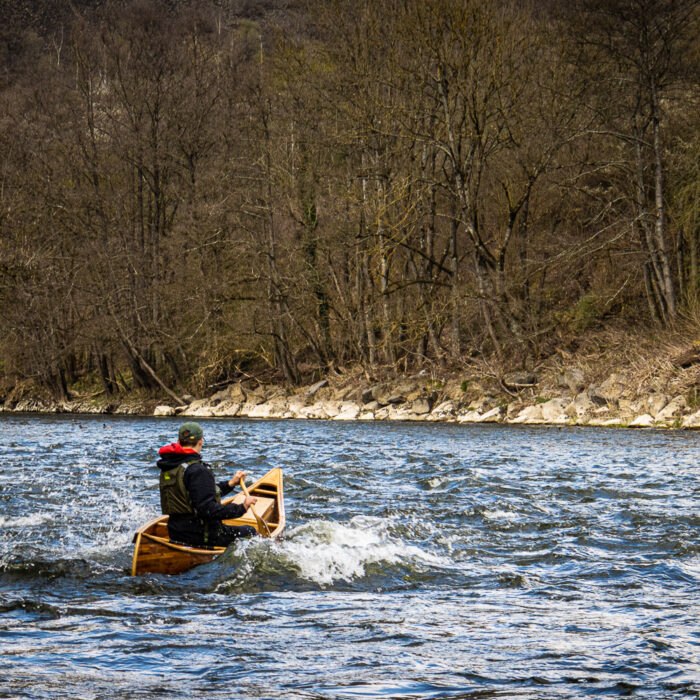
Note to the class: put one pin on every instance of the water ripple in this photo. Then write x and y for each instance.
(420, 561)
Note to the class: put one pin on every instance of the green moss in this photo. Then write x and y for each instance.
(87, 384)
(585, 313)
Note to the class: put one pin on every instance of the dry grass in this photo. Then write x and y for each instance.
(643, 357)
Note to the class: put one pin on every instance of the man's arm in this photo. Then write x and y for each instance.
(201, 487)
(227, 485)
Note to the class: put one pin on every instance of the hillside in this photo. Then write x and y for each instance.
(198, 194)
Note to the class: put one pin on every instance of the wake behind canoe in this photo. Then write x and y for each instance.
(155, 553)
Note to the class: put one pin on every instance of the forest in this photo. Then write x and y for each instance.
(192, 192)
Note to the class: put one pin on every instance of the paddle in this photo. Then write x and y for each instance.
(263, 529)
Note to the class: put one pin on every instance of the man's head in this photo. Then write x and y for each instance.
(190, 434)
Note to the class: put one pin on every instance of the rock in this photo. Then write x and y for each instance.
(692, 421)
(673, 409)
(408, 388)
(382, 413)
(572, 379)
(554, 411)
(269, 409)
(385, 395)
(164, 411)
(492, 416)
(314, 388)
(655, 403)
(513, 409)
(348, 410)
(233, 392)
(227, 408)
(129, 409)
(367, 396)
(280, 408)
(397, 412)
(604, 422)
(217, 398)
(518, 380)
(329, 408)
(596, 397)
(257, 410)
(529, 414)
(382, 398)
(236, 393)
(317, 411)
(200, 408)
(443, 411)
(295, 405)
(202, 412)
(421, 406)
(246, 408)
(256, 396)
(631, 405)
(643, 421)
(611, 390)
(482, 404)
(581, 406)
(446, 408)
(469, 417)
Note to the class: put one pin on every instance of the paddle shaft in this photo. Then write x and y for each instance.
(263, 529)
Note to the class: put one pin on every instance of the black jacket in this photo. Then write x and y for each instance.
(200, 484)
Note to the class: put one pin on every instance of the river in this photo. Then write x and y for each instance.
(419, 561)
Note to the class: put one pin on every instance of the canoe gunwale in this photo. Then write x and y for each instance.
(182, 546)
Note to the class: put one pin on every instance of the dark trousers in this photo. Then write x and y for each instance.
(230, 533)
(190, 531)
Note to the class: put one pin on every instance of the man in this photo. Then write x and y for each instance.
(192, 498)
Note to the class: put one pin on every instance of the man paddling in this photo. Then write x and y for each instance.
(192, 498)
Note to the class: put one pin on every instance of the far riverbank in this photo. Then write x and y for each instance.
(561, 398)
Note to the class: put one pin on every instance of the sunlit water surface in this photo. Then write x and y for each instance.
(419, 561)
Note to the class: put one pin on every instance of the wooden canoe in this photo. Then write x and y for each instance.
(154, 553)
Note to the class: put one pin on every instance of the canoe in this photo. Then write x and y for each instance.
(155, 553)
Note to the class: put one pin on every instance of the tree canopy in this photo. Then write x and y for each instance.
(189, 190)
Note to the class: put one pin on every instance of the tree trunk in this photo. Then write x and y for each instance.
(660, 224)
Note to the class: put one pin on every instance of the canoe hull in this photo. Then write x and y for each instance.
(154, 553)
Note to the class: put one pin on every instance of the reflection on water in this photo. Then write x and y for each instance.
(420, 561)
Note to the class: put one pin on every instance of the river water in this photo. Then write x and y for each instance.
(419, 561)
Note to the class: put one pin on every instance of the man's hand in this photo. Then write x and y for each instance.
(249, 501)
(236, 478)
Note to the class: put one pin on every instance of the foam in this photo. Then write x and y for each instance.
(500, 515)
(25, 521)
(326, 551)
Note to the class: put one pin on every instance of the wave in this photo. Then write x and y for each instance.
(324, 552)
(25, 521)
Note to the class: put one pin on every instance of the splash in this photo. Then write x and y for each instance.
(24, 521)
(324, 551)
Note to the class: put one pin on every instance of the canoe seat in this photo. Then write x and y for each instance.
(263, 508)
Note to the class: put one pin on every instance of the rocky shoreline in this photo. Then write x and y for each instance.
(516, 399)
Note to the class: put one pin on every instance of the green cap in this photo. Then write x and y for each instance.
(190, 431)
